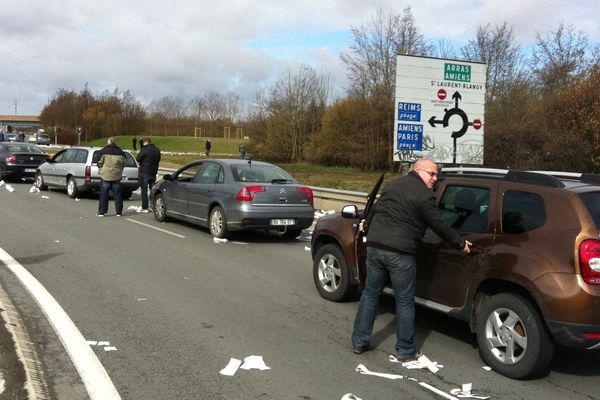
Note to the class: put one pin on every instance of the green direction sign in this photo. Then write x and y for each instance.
(457, 72)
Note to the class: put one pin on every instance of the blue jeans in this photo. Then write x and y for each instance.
(146, 182)
(402, 271)
(105, 187)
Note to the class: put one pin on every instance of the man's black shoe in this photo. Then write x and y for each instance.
(360, 350)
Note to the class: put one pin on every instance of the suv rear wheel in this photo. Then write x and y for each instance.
(512, 338)
(331, 274)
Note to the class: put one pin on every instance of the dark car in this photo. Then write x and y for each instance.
(19, 160)
(227, 195)
(76, 170)
(534, 282)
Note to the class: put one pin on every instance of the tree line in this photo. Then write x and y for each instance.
(541, 102)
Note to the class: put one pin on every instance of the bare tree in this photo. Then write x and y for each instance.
(561, 57)
(371, 61)
(498, 49)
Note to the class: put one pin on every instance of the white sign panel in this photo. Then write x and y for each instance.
(439, 110)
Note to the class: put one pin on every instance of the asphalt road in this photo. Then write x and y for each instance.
(177, 308)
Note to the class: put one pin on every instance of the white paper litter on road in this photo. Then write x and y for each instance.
(465, 392)
(137, 208)
(438, 391)
(363, 370)
(57, 241)
(142, 299)
(422, 363)
(254, 362)
(45, 197)
(9, 188)
(92, 342)
(487, 368)
(33, 189)
(76, 199)
(350, 396)
(231, 367)
(307, 248)
(220, 240)
(1, 183)
(110, 348)
(104, 343)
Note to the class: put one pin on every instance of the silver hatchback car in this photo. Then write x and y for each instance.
(76, 170)
(228, 195)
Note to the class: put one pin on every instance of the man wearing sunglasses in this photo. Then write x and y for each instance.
(405, 209)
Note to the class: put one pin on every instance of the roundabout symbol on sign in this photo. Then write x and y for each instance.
(451, 112)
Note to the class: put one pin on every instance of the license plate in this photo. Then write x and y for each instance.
(29, 169)
(283, 221)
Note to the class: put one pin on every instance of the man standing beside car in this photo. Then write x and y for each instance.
(148, 158)
(395, 227)
(110, 167)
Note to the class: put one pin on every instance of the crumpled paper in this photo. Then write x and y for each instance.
(421, 363)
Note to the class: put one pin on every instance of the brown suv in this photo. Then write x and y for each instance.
(535, 281)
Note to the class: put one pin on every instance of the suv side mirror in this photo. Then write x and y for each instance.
(350, 211)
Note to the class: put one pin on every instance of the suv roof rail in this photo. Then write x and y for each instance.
(532, 177)
(582, 177)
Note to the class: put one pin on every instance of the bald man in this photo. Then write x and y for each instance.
(406, 208)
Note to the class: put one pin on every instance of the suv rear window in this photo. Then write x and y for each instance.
(592, 203)
(522, 211)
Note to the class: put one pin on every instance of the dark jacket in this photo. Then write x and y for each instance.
(111, 163)
(149, 158)
(402, 214)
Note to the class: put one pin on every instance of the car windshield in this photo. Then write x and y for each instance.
(592, 203)
(248, 172)
(22, 148)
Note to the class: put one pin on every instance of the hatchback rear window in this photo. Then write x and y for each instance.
(592, 203)
(130, 160)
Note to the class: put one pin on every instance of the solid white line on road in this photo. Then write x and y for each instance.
(154, 227)
(94, 376)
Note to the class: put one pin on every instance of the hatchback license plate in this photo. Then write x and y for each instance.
(283, 221)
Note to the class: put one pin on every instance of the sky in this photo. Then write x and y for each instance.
(187, 48)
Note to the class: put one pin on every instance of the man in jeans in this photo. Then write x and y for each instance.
(148, 158)
(111, 164)
(395, 227)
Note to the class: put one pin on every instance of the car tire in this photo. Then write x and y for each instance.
(512, 338)
(291, 233)
(127, 194)
(217, 223)
(332, 275)
(160, 208)
(39, 181)
(72, 190)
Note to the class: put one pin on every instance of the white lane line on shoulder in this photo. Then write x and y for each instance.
(95, 378)
(154, 227)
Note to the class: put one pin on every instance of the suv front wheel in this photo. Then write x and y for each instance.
(512, 338)
(332, 275)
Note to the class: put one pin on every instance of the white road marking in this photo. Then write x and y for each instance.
(154, 227)
(95, 378)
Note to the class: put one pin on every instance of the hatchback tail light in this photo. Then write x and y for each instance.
(309, 193)
(589, 261)
(12, 159)
(88, 174)
(246, 193)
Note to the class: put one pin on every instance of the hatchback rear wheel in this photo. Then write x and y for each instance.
(512, 337)
(331, 274)
(72, 189)
(217, 223)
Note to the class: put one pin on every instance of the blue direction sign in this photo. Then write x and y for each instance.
(409, 112)
(410, 137)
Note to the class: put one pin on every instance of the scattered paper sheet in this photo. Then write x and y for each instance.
(350, 396)
(465, 392)
(33, 189)
(110, 348)
(422, 363)
(9, 188)
(363, 370)
(231, 368)
(254, 362)
(220, 240)
(45, 197)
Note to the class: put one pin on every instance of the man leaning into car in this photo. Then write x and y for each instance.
(110, 166)
(395, 227)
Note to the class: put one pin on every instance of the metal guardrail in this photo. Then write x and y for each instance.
(325, 198)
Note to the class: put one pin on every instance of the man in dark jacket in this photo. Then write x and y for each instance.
(111, 164)
(397, 224)
(148, 158)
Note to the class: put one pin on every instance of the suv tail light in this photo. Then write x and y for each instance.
(246, 193)
(309, 193)
(589, 261)
(88, 174)
(12, 159)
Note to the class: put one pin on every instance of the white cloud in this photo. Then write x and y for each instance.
(187, 47)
